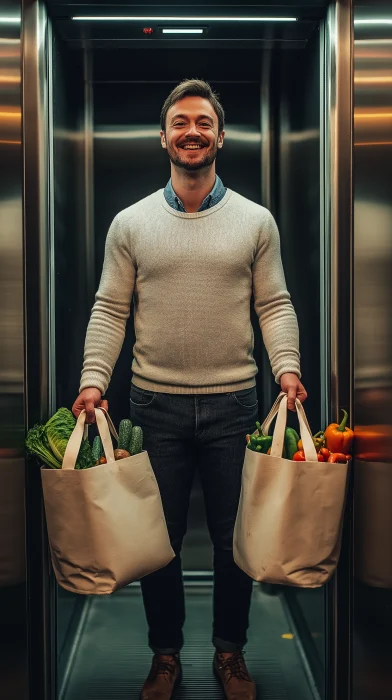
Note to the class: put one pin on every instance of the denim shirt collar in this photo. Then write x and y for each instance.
(217, 193)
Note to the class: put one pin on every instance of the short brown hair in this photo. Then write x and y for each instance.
(193, 88)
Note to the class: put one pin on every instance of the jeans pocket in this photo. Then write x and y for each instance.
(246, 398)
(141, 397)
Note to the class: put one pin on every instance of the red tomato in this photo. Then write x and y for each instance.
(300, 457)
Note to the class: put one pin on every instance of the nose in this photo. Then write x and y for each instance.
(193, 130)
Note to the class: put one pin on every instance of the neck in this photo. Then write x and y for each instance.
(192, 187)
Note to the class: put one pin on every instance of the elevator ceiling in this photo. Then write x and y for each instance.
(107, 24)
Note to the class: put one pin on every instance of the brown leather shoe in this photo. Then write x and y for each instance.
(232, 674)
(165, 675)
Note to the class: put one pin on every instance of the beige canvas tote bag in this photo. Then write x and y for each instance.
(289, 521)
(106, 525)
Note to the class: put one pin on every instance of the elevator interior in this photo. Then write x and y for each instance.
(104, 84)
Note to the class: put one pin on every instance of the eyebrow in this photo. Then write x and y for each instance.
(184, 116)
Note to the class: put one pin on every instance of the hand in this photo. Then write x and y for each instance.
(89, 399)
(291, 385)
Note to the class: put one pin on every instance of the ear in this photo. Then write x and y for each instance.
(163, 139)
(220, 139)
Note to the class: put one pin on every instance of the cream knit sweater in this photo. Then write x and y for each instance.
(191, 277)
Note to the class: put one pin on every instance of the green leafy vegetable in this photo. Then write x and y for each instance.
(37, 444)
(49, 441)
(58, 430)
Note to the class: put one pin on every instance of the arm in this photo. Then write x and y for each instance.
(106, 329)
(276, 314)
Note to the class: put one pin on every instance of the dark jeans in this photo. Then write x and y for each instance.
(183, 432)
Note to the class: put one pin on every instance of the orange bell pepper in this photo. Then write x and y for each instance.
(339, 438)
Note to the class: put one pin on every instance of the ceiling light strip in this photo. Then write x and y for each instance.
(183, 19)
(373, 21)
(182, 31)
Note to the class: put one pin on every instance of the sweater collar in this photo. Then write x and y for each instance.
(217, 193)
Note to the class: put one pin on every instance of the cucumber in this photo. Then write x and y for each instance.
(97, 449)
(136, 443)
(124, 434)
(291, 439)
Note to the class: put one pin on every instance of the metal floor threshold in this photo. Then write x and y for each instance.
(111, 658)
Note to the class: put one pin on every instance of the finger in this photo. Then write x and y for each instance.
(291, 396)
(76, 409)
(302, 396)
(105, 405)
(90, 412)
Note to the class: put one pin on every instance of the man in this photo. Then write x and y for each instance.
(190, 256)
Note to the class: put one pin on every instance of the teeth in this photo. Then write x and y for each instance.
(191, 147)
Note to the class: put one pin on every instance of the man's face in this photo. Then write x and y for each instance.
(192, 137)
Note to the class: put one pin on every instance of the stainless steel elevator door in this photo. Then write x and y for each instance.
(130, 164)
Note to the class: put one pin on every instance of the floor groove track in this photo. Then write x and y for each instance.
(113, 658)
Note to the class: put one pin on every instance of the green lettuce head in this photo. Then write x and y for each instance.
(58, 431)
(49, 441)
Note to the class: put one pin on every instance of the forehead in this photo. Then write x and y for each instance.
(192, 107)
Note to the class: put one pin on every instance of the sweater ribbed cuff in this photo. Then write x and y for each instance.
(93, 381)
(287, 370)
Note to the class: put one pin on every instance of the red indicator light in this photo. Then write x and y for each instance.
(148, 30)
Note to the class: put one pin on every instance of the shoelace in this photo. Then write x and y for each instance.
(235, 666)
(162, 668)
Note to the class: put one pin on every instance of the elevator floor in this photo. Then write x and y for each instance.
(110, 658)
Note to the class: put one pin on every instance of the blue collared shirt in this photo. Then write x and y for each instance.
(217, 193)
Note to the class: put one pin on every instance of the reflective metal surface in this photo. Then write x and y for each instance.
(77, 180)
(336, 294)
(372, 673)
(39, 329)
(73, 238)
(338, 204)
(13, 610)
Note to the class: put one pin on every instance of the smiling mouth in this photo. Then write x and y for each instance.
(192, 147)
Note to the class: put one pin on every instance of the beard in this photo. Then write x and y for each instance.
(207, 160)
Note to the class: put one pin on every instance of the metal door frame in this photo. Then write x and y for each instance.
(336, 328)
(39, 331)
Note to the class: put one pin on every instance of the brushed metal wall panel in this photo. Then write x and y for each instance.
(372, 645)
(13, 608)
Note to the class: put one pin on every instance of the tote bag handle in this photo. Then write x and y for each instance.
(79, 432)
(280, 427)
(267, 422)
(274, 409)
(110, 423)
